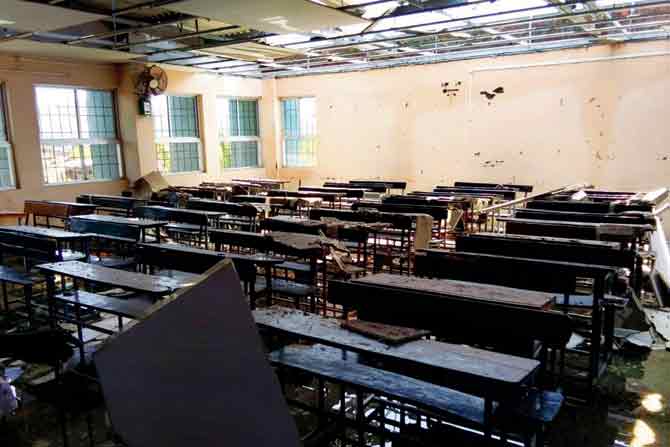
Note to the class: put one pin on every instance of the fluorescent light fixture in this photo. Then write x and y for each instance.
(4, 22)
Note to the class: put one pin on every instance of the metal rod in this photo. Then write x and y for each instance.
(472, 42)
(177, 37)
(535, 196)
(472, 27)
(136, 29)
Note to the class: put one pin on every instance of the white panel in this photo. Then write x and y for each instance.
(25, 16)
(251, 51)
(59, 50)
(275, 16)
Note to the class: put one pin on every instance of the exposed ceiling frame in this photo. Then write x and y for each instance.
(176, 37)
(491, 38)
(472, 28)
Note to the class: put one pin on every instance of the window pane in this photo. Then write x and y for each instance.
(96, 114)
(62, 163)
(6, 178)
(3, 122)
(299, 129)
(233, 127)
(178, 157)
(248, 118)
(57, 113)
(104, 161)
(183, 120)
(159, 111)
(240, 154)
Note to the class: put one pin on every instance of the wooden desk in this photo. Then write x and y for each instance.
(624, 233)
(142, 224)
(156, 286)
(479, 372)
(210, 214)
(51, 233)
(11, 217)
(61, 237)
(460, 289)
(290, 224)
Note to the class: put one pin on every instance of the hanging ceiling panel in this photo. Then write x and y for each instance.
(251, 51)
(26, 16)
(276, 16)
(58, 50)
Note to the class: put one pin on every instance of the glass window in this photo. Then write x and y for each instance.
(238, 133)
(176, 133)
(78, 135)
(6, 165)
(299, 132)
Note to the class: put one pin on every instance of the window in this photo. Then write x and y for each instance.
(77, 135)
(176, 133)
(238, 133)
(6, 165)
(299, 125)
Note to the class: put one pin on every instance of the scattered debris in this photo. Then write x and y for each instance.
(642, 340)
(660, 320)
(386, 333)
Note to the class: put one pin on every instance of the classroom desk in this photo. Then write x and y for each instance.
(152, 287)
(60, 236)
(11, 217)
(143, 224)
(623, 233)
(444, 288)
(263, 261)
(488, 374)
(291, 224)
(210, 214)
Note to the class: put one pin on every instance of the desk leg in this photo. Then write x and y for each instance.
(488, 413)
(80, 328)
(268, 283)
(28, 293)
(51, 292)
(596, 329)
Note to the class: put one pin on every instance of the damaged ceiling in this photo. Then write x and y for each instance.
(293, 37)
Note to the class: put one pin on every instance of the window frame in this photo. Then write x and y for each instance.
(81, 141)
(283, 133)
(223, 138)
(4, 104)
(166, 140)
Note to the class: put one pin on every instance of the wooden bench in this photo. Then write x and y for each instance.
(112, 243)
(77, 303)
(240, 216)
(520, 188)
(188, 225)
(437, 402)
(11, 276)
(36, 210)
(503, 193)
(483, 322)
(584, 206)
(116, 205)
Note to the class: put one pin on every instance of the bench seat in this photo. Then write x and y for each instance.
(327, 363)
(12, 276)
(294, 266)
(133, 308)
(288, 288)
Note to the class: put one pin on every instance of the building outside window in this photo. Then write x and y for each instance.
(177, 135)
(299, 132)
(239, 136)
(78, 135)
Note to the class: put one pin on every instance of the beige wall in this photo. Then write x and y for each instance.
(138, 131)
(601, 122)
(19, 77)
